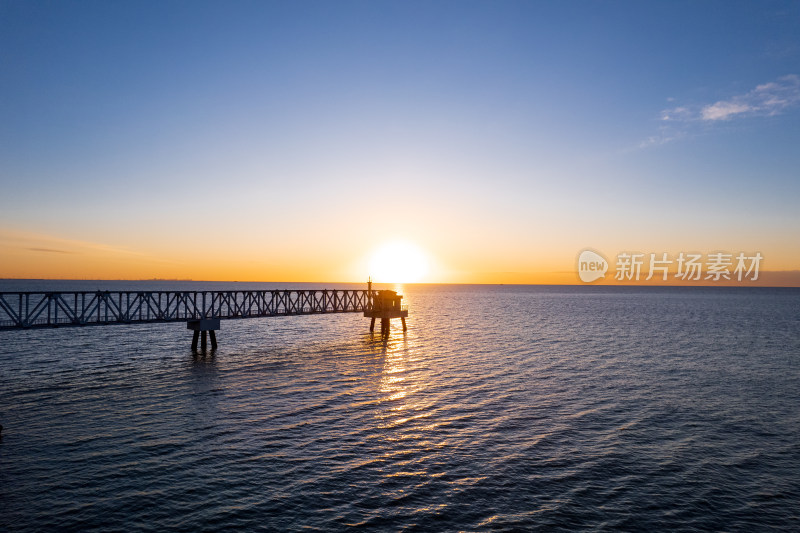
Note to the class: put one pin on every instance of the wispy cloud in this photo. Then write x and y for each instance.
(42, 243)
(656, 140)
(676, 113)
(49, 250)
(765, 100)
(724, 110)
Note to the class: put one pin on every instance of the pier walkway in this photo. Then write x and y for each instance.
(201, 310)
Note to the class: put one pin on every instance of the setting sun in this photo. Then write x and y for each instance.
(398, 262)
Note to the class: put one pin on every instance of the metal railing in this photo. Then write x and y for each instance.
(63, 309)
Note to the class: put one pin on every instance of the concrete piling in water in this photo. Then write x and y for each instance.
(204, 328)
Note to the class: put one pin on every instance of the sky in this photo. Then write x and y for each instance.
(288, 141)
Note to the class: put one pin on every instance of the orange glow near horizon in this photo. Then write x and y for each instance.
(403, 260)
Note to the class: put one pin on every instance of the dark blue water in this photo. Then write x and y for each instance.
(501, 408)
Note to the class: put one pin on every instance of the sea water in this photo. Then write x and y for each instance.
(501, 408)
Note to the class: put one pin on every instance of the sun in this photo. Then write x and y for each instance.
(398, 262)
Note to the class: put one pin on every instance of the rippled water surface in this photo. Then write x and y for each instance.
(502, 407)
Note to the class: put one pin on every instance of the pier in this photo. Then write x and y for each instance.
(202, 311)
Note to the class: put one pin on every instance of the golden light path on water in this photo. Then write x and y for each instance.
(401, 385)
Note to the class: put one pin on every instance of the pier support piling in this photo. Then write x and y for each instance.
(203, 329)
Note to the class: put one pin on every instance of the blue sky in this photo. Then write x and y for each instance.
(508, 134)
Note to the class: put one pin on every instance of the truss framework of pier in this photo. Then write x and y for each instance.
(22, 310)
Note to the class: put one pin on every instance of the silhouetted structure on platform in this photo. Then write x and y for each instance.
(386, 305)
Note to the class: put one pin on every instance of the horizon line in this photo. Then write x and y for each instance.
(699, 284)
